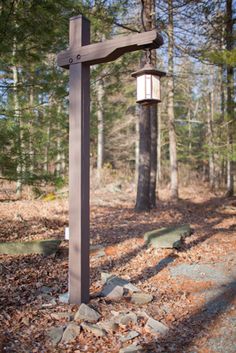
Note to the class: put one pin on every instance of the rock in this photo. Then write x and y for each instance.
(109, 325)
(130, 287)
(95, 329)
(129, 336)
(125, 318)
(86, 313)
(55, 334)
(115, 286)
(131, 349)
(111, 291)
(44, 247)
(62, 315)
(118, 281)
(167, 237)
(70, 333)
(142, 314)
(141, 298)
(64, 298)
(156, 326)
(105, 276)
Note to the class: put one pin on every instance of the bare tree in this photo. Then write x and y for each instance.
(170, 106)
(229, 101)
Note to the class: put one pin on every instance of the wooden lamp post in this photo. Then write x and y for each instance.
(78, 58)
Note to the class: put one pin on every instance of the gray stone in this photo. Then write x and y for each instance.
(141, 298)
(131, 349)
(105, 276)
(64, 298)
(114, 285)
(131, 335)
(130, 287)
(62, 315)
(109, 325)
(70, 333)
(167, 237)
(112, 291)
(142, 314)
(86, 313)
(156, 326)
(44, 247)
(118, 281)
(125, 318)
(95, 329)
(55, 334)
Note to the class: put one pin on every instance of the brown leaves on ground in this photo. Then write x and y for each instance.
(26, 311)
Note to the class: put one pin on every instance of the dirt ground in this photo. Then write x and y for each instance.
(194, 287)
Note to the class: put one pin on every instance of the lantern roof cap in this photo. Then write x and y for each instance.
(148, 69)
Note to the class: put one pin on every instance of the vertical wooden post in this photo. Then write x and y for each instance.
(79, 166)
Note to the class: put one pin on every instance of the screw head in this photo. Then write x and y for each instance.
(78, 56)
(70, 60)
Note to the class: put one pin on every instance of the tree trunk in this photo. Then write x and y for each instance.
(58, 142)
(31, 149)
(210, 143)
(100, 143)
(47, 148)
(230, 101)
(153, 157)
(146, 191)
(136, 145)
(19, 167)
(143, 199)
(159, 173)
(170, 107)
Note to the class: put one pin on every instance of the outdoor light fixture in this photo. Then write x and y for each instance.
(148, 84)
(78, 58)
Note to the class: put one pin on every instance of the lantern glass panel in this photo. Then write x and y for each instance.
(156, 89)
(148, 83)
(140, 87)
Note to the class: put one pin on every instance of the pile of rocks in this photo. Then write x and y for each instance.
(88, 319)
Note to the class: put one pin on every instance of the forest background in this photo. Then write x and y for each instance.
(189, 137)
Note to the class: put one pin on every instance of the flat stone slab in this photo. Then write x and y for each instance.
(131, 335)
(170, 237)
(114, 287)
(125, 318)
(156, 326)
(55, 334)
(86, 313)
(42, 247)
(95, 329)
(141, 298)
(70, 333)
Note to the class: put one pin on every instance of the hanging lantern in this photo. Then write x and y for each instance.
(148, 83)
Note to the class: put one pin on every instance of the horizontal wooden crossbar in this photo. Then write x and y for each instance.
(109, 50)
